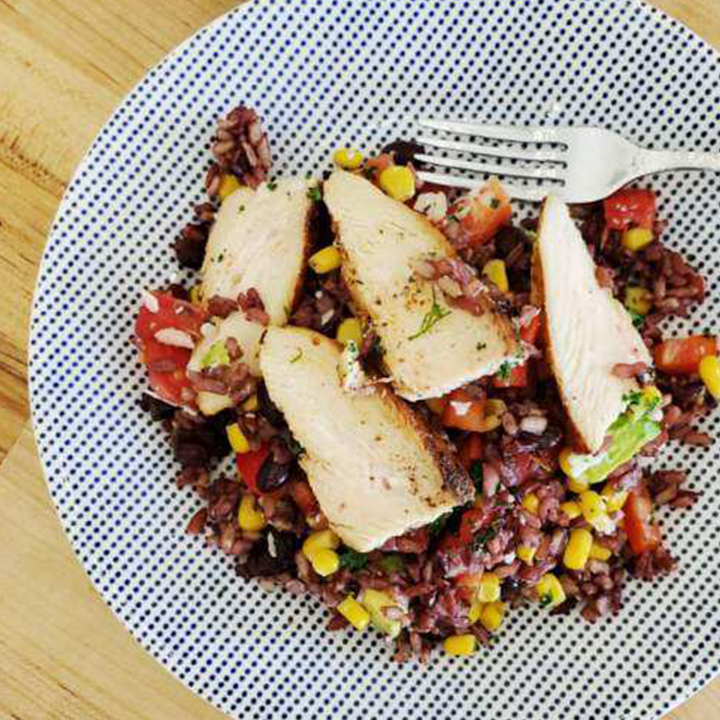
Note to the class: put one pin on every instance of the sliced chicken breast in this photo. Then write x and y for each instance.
(588, 331)
(248, 336)
(430, 347)
(261, 239)
(375, 466)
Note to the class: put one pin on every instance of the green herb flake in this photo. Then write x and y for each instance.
(545, 600)
(505, 370)
(637, 319)
(494, 204)
(480, 541)
(353, 561)
(241, 209)
(272, 185)
(392, 563)
(369, 172)
(432, 318)
(298, 356)
(476, 472)
(481, 346)
(216, 355)
(438, 524)
(315, 193)
(295, 447)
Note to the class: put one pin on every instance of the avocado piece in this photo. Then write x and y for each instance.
(634, 429)
(374, 601)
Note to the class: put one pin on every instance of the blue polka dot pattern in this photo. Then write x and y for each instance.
(324, 73)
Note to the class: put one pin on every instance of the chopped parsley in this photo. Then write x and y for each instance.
(438, 524)
(480, 541)
(632, 398)
(432, 318)
(295, 447)
(241, 209)
(504, 371)
(220, 257)
(298, 356)
(454, 218)
(494, 204)
(545, 600)
(476, 472)
(481, 346)
(353, 561)
(315, 193)
(637, 318)
(272, 185)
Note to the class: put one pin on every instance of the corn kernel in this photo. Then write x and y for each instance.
(600, 552)
(398, 182)
(637, 238)
(196, 295)
(228, 185)
(436, 405)
(325, 562)
(354, 613)
(709, 370)
(325, 260)
(614, 499)
(550, 591)
(489, 590)
(492, 615)
(571, 509)
(350, 329)
(251, 404)
(526, 554)
(638, 299)
(495, 407)
(490, 423)
(593, 505)
(651, 394)
(320, 540)
(250, 517)
(531, 502)
(495, 271)
(578, 486)
(460, 644)
(578, 548)
(348, 158)
(474, 612)
(238, 441)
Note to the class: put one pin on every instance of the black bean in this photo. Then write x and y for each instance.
(268, 409)
(262, 563)
(187, 453)
(158, 409)
(405, 151)
(273, 475)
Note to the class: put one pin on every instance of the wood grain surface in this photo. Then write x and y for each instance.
(64, 66)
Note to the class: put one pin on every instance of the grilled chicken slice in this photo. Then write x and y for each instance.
(261, 239)
(380, 240)
(248, 336)
(588, 331)
(375, 466)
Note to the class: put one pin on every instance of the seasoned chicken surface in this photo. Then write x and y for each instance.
(248, 336)
(430, 347)
(588, 331)
(260, 240)
(376, 468)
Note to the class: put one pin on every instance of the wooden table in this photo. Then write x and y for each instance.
(64, 66)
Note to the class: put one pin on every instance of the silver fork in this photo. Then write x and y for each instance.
(582, 164)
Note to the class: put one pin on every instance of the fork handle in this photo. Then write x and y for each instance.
(648, 162)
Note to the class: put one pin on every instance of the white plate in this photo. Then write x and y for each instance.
(324, 73)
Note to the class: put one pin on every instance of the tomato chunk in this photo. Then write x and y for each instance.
(482, 213)
(471, 450)
(249, 464)
(171, 313)
(513, 378)
(682, 356)
(168, 383)
(464, 412)
(630, 207)
(643, 534)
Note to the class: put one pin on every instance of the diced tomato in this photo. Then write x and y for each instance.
(630, 207)
(529, 331)
(172, 313)
(483, 213)
(515, 377)
(249, 464)
(523, 465)
(470, 450)
(464, 412)
(642, 533)
(168, 385)
(380, 163)
(683, 355)
(472, 520)
(304, 498)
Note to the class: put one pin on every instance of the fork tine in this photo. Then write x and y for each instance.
(520, 192)
(509, 133)
(547, 172)
(505, 151)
